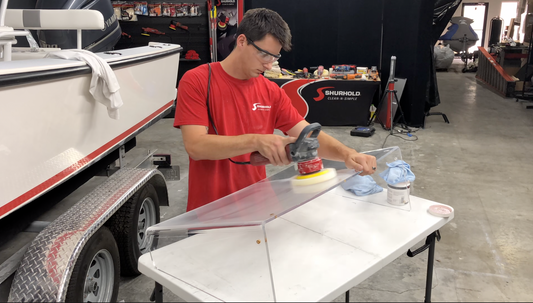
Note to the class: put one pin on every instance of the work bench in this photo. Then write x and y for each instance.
(314, 252)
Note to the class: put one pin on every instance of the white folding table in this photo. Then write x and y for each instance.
(318, 251)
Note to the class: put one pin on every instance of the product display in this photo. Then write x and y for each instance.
(154, 9)
(141, 8)
(162, 21)
(166, 9)
(337, 72)
(126, 10)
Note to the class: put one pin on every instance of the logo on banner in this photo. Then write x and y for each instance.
(336, 94)
(258, 106)
(320, 92)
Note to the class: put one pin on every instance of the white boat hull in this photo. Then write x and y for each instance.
(52, 129)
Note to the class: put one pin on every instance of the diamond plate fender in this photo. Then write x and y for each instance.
(47, 265)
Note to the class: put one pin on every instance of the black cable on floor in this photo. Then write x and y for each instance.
(401, 132)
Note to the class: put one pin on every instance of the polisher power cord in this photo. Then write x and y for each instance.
(209, 113)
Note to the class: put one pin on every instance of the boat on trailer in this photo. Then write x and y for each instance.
(51, 127)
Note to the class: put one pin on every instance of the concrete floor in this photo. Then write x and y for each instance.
(480, 164)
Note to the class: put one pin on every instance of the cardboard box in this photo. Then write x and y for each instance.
(362, 70)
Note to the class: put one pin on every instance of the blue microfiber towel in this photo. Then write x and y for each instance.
(362, 185)
(398, 171)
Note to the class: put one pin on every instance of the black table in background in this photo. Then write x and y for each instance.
(332, 102)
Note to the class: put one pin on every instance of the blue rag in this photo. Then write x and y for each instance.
(398, 171)
(362, 185)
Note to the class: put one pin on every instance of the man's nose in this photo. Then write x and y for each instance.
(268, 65)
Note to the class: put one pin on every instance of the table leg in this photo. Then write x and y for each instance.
(157, 293)
(347, 296)
(431, 260)
(430, 243)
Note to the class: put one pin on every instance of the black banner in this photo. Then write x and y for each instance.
(331, 102)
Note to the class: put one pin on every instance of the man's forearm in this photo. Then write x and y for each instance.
(215, 147)
(331, 148)
(202, 146)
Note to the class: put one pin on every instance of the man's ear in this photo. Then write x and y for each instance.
(241, 41)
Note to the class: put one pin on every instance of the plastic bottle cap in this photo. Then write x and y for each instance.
(442, 211)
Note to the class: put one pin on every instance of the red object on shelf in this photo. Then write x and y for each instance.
(192, 55)
(175, 24)
(146, 31)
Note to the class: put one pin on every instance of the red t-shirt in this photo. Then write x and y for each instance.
(237, 107)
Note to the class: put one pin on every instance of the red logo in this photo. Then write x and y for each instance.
(321, 93)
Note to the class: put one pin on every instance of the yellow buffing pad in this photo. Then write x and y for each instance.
(315, 178)
(314, 183)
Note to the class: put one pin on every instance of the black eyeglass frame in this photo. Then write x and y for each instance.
(262, 50)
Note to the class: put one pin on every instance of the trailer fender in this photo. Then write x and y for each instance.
(47, 265)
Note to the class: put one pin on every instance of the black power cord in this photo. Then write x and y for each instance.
(401, 132)
(405, 130)
(209, 113)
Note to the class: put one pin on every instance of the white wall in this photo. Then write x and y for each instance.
(494, 11)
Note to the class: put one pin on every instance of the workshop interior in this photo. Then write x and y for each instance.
(94, 187)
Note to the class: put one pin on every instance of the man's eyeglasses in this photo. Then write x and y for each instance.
(264, 55)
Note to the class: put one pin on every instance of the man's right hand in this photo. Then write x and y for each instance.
(202, 146)
(272, 147)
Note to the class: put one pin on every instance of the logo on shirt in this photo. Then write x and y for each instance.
(322, 94)
(258, 106)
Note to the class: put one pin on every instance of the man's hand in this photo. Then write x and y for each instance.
(202, 146)
(361, 162)
(272, 147)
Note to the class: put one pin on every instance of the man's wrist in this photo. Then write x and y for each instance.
(347, 152)
(252, 141)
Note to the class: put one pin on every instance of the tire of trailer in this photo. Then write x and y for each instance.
(95, 277)
(129, 224)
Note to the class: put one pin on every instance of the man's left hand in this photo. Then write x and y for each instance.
(364, 163)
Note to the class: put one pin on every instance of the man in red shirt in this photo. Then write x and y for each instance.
(227, 110)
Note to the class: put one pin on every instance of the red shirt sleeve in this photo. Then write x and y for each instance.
(191, 107)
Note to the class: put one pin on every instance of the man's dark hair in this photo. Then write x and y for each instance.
(259, 22)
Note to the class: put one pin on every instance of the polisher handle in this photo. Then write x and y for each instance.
(306, 146)
(256, 159)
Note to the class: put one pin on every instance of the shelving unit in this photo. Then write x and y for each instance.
(196, 38)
